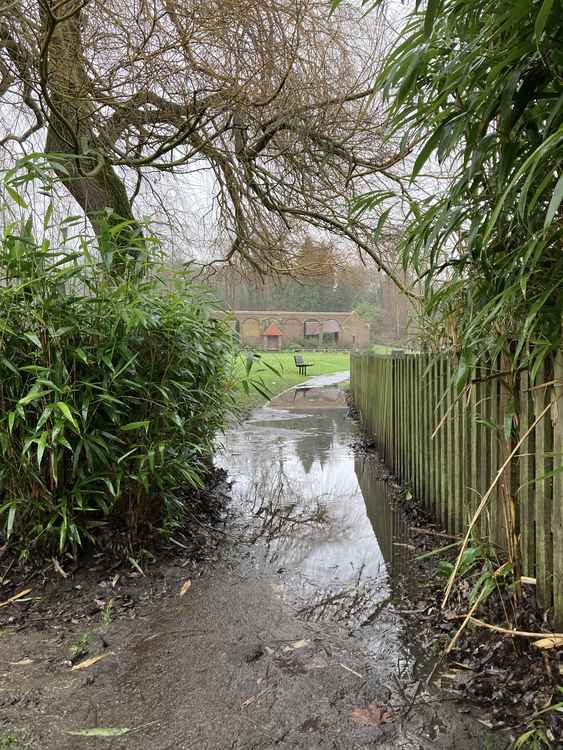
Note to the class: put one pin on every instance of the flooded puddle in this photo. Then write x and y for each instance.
(329, 529)
(319, 506)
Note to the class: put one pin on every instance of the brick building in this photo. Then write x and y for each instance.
(272, 330)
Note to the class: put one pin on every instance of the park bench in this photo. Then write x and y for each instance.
(301, 365)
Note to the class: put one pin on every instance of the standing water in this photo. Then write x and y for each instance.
(325, 524)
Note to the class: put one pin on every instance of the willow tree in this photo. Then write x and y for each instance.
(273, 97)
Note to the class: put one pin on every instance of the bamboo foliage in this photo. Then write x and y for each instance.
(479, 88)
(489, 459)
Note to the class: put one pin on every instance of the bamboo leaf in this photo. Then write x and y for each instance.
(33, 395)
(432, 9)
(66, 412)
(16, 197)
(48, 215)
(41, 444)
(541, 19)
(143, 425)
(555, 202)
(34, 339)
(91, 661)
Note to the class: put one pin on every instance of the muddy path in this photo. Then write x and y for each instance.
(293, 638)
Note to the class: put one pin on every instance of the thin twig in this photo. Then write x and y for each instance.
(512, 632)
(430, 532)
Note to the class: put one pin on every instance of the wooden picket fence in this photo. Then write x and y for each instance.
(450, 446)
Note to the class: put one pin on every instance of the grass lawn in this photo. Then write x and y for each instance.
(324, 363)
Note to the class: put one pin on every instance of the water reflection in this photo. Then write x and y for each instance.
(322, 512)
(389, 525)
(304, 396)
(326, 522)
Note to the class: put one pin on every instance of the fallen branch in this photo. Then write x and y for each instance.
(511, 632)
(15, 598)
(431, 532)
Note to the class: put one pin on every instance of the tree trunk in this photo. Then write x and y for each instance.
(92, 182)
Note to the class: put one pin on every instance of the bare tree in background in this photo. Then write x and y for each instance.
(272, 96)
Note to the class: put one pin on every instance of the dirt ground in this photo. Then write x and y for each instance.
(228, 664)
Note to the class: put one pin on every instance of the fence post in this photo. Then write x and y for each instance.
(436, 452)
(426, 467)
(412, 420)
(557, 514)
(457, 498)
(403, 419)
(496, 432)
(542, 500)
(472, 448)
(394, 396)
(416, 438)
(526, 466)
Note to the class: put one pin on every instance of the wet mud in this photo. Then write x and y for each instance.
(295, 637)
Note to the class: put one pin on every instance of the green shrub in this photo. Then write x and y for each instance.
(112, 390)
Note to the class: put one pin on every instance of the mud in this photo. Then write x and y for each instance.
(296, 636)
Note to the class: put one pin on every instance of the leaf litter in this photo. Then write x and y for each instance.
(373, 715)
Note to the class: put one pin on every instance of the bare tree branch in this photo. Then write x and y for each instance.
(271, 97)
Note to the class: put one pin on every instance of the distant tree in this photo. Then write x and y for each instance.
(323, 278)
(366, 311)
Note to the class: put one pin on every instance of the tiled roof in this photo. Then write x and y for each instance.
(273, 330)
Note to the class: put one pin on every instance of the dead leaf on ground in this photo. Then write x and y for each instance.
(299, 644)
(89, 662)
(372, 715)
(108, 731)
(136, 565)
(15, 598)
(296, 645)
(254, 698)
(21, 662)
(185, 587)
(58, 568)
(552, 641)
(100, 732)
(348, 669)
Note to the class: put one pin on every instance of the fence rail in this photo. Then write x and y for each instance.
(450, 447)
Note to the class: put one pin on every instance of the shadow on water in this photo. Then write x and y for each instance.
(326, 521)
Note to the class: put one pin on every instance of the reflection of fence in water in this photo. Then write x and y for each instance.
(389, 524)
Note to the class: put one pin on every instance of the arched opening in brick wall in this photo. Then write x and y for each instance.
(331, 332)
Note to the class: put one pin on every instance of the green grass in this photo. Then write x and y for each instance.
(324, 363)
